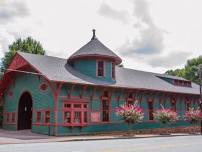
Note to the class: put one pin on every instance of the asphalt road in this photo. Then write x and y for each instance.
(160, 144)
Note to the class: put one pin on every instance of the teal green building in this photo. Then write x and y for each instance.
(78, 95)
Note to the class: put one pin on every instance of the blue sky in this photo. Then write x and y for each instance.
(148, 35)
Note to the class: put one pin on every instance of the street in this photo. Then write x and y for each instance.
(159, 144)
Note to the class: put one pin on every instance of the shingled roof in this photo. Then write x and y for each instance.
(95, 48)
(57, 69)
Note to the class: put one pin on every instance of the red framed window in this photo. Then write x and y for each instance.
(67, 117)
(105, 106)
(47, 117)
(100, 68)
(187, 105)
(151, 110)
(75, 113)
(130, 99)
(105, 110)
(77, 117)
(113, 70)
(38, 116)
(173, 104)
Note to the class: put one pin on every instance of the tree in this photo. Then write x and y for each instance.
(28, 45)
(190, 71)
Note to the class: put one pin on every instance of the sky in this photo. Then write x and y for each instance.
(149, 35)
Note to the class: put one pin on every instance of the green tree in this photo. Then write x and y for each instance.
(28, 45)
(190, 71)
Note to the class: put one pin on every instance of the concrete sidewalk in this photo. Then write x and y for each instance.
(26, 136)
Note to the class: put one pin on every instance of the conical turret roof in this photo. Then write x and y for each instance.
(95, 48)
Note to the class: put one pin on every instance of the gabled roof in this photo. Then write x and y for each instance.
(95, 48)
(57, 69)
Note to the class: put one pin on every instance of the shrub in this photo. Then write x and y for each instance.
(165, 116)
(193, 115)
(130, 113)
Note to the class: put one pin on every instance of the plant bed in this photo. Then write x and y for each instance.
(165, 117)
(130, 114)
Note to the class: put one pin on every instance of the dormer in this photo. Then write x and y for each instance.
(95, 60)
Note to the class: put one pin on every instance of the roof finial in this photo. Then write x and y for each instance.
(94, 36)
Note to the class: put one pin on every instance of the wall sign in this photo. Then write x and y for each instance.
(95, 116)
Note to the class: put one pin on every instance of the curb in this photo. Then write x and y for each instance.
(116, 138)
(96, 139)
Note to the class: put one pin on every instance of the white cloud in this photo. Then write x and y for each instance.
(12, 9)
(150, 37)
(12, 15)
(170, 60)
(133, 26)
(110, 12)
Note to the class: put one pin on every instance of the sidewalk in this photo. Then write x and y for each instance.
(26, 136)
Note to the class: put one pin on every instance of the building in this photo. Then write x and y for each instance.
(78, 95)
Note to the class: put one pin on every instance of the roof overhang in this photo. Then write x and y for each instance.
(117, 60)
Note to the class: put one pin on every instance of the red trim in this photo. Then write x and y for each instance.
(47, 116)
(70, 106)
(117, 60)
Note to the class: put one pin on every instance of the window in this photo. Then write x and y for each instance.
(151, 110)
(188, 105)
(130, 100)
(67, 105)
(75, 114)
(77, 105)
(47, 117)
(105, 110)
(13, 117)
(182, 83)
(173, 104)
(106, 94)
(100, 68)
(67, 117)
(77, 117)
(113, 70)
(38, 116)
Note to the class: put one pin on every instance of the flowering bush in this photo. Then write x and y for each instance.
(165, 116)
(193, 115)
(130, 113)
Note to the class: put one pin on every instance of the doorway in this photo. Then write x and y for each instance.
(25, 111)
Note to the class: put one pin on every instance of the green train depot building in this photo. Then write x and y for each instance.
(78, 95)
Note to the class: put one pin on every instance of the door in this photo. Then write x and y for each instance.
(25, 111)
